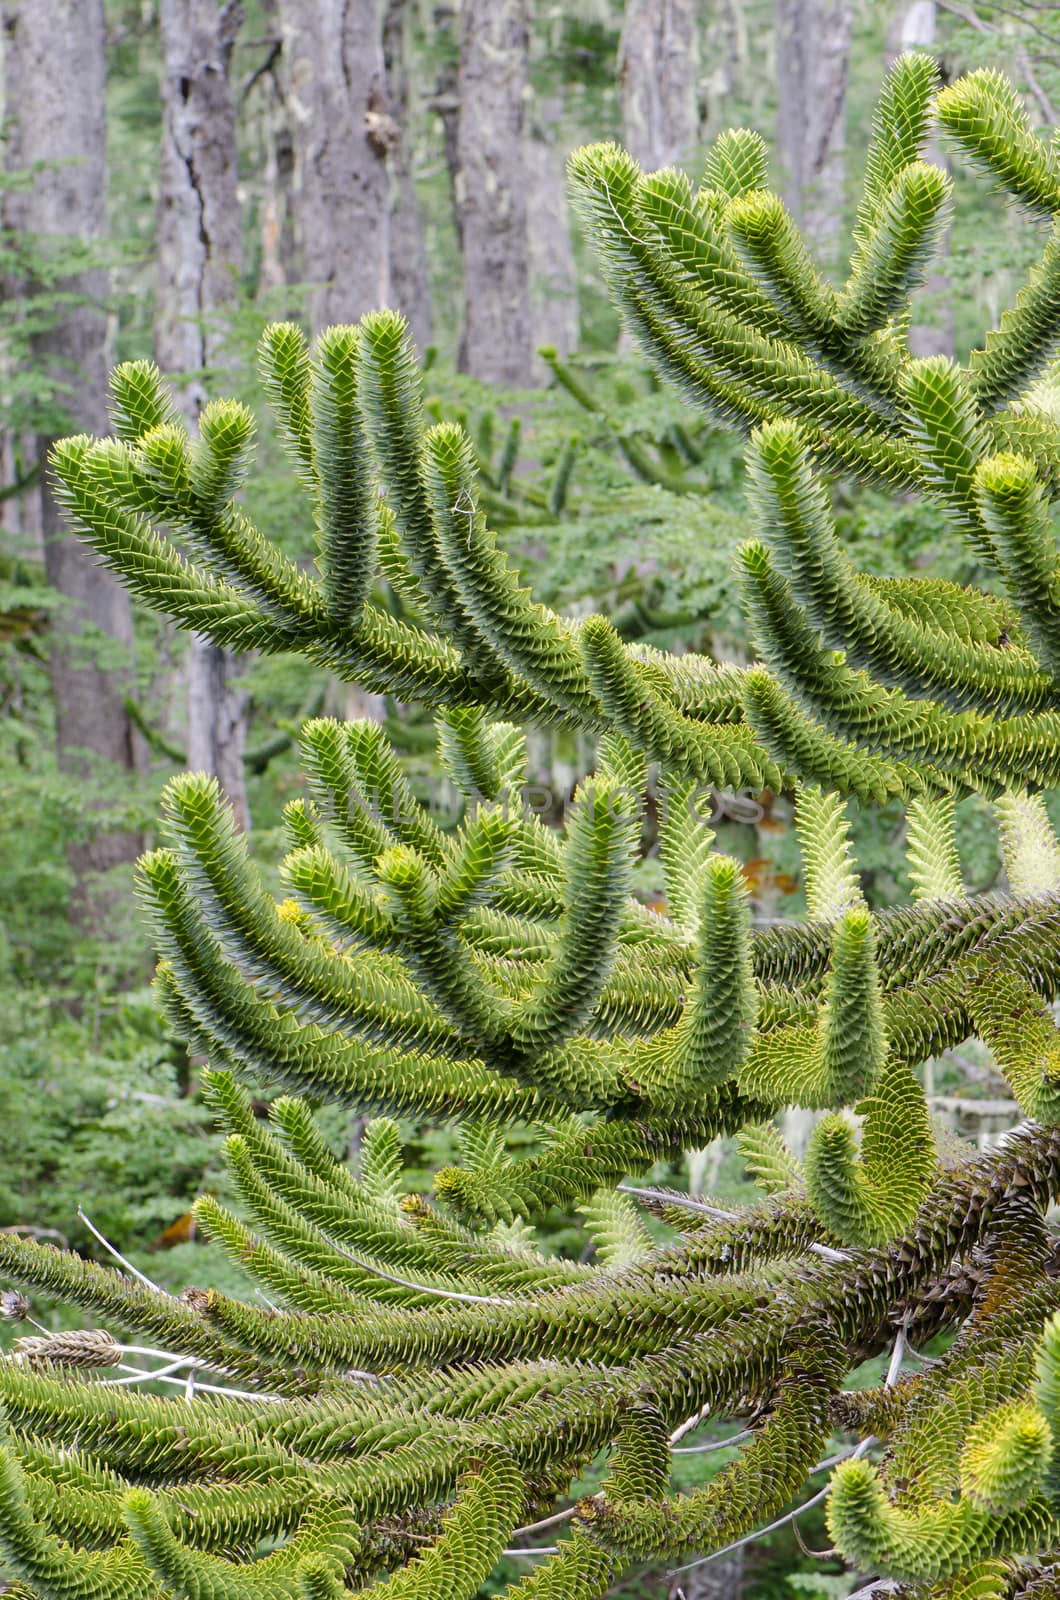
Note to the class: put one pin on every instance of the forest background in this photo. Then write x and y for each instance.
(177, 173)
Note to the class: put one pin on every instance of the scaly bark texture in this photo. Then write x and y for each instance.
(492, 191)
(200, 252)
(813, 59)
(657, 76)
(409, 276)
(336, 85)
(54, 83)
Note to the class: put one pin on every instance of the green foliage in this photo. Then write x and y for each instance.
(432, 1380)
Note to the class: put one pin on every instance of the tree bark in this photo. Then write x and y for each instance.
(409, 277)
(199, 253)
(492, 191)
(445, 101)
(813, 58)
(277, 222)
(336, 88)
(914, 29)
(54, 97)
(657, 77)
(726, 54)
(277, 230)
(553, 273)
(721, 1579)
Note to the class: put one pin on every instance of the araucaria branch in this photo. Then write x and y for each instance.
(430, 1383)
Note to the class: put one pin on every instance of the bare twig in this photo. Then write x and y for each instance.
(90, 1225)
(716, 1444)
(1021, 16)
(142, 1375)
(826, 1252)
(781, 1522)
(33, 1232)
(895, 1365)
(162, 1376)
(156, 1355)
(684, 1202)
(423, 1288)
(749, 1538)
(274, 49)
(921, 1359)
(851, 1454)
(1045, 105)
(546, 1522)
(690, 1423)
(965, 15)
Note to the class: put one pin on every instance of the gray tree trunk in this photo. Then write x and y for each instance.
(336, 88)
(716, 1580)
(20, 514)
(492, 191)
(914, 29)
(410, 282)
(445, 100)
(813, 58)
(277, 227)
(657, 76)
(199, 256)
(277, 221)
(553, 273)
(726, 51)
(54, 98)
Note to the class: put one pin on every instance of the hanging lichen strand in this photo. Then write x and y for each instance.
(419, 1383)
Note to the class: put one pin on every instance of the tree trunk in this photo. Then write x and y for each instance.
(445, 101)
(914, 29)
(553, 273)
(277, 228)
(409, 278)
(54, 98)
(199, 254)
(721, 1579)
(813, 56)
(277, 178)
(725, 56)
(336, 88)
(20, 514)
(217, 721)
(657, 77)
(492, 199)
